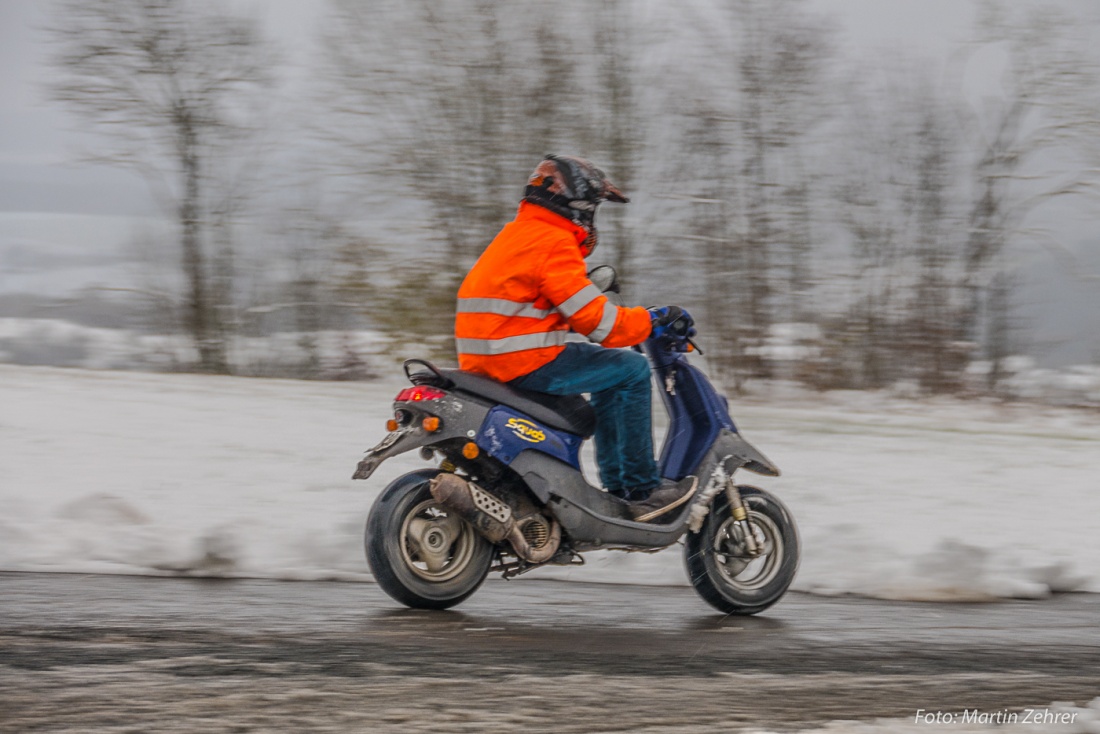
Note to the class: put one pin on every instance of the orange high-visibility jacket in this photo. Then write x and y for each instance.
(525, 292)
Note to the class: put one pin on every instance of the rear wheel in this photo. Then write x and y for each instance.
(422, 554)
(720, 566)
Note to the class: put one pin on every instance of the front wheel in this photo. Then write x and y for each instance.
(422, 554)
(718, 563)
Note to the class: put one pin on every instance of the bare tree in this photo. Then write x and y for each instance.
(715, 258)
(171, 87)
(934, 342)
(894, 184)
(451, 104)
(1047, 113)
(749, 105)
(780, 52)
(898, 188)
(456, 124)
(864, 340)
(621, 122)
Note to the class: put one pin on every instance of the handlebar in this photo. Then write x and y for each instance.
(682, 329)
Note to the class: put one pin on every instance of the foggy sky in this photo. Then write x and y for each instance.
(41, 144)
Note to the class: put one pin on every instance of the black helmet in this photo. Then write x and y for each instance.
(573, 188)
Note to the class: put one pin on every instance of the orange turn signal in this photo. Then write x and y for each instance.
(691, 347)
(470, 450)
(431, 423)
(391, 425)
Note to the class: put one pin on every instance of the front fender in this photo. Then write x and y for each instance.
(745, 454)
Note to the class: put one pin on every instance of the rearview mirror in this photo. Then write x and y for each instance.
(605, 278)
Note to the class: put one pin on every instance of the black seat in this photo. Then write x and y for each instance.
(570, 413)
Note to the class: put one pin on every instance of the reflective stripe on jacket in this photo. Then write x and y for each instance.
(524, 294)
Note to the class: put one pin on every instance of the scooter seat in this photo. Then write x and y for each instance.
(570, 413)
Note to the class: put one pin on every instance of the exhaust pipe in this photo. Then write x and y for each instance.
(534, 537)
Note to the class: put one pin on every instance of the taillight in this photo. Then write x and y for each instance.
(419, 393)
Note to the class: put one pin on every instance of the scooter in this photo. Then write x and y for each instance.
(508, 494)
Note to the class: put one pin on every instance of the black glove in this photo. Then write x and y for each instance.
(671, 320)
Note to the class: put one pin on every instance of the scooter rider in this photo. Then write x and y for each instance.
(521, 303)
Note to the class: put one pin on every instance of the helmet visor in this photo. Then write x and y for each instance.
(611, 193)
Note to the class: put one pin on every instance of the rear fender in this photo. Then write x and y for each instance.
(458, 418)
(396, 442)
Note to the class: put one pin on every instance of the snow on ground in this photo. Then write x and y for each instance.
(143, 473)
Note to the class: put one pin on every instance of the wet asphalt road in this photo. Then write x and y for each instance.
(130, 654)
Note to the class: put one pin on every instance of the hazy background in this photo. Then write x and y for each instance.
(812, 178)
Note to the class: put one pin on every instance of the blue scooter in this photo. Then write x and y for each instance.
(507, 493)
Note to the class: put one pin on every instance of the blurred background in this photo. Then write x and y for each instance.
(846, 193)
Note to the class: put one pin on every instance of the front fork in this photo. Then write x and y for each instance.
(741, 518)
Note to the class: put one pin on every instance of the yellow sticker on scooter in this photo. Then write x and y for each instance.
(526, 430)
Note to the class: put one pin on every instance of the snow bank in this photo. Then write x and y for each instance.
(146, 473)
(54, 342)
(356, 354)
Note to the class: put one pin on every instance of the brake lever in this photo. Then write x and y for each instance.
(694, 346)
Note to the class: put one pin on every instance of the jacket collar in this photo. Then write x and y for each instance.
(529, 212)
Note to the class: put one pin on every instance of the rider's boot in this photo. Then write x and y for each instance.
(666, 496)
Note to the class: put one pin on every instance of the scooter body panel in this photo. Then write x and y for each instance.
(506, 432)
(587, 514)
(699, 421)
(697, 415)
